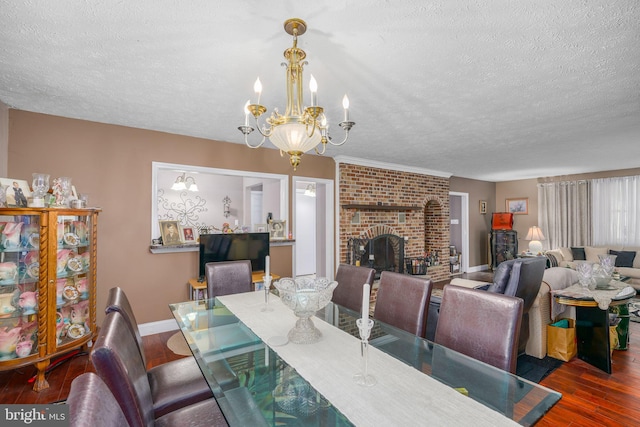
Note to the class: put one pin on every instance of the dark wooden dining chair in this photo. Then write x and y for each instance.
(173, 384)
(91, 403)
(228, 277)
(350, 280)
(480, 324)
(403, 301)
(117, 361)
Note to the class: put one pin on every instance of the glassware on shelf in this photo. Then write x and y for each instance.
(364, 378)
(40, 186)
(61, 192)
(305, 296)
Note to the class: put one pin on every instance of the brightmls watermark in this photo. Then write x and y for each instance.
(34, 415)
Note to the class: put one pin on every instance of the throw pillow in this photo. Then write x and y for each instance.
(593, 252)
(623, 258)
(578, 254)
(552, 261)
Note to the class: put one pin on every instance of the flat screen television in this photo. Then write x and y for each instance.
(233, 247)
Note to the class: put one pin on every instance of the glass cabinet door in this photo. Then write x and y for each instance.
(19, 278)
(73, 277)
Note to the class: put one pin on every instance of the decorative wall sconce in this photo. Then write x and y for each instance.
(310, 190)
(226, 203)
(184, 182)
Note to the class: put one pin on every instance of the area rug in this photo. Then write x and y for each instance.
(178, 345)
(634, 311)
(534, 369)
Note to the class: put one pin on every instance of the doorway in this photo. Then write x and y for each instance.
(459, 226)
(313, 227)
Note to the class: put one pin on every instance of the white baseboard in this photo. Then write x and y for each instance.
(158, 327)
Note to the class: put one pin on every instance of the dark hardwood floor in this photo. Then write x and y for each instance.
(590, 397)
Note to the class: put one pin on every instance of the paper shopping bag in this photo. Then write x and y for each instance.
(561, 341)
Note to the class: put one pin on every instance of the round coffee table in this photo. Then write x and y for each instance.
(592, 322)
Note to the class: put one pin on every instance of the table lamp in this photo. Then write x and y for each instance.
(534, 236)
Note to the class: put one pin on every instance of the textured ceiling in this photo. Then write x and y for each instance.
(490, 89)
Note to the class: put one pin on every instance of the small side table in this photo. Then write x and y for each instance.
(592, 325)
(198, 290)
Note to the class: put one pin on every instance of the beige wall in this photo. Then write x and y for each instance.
(113, 165)
(521, 189)
(479, 224)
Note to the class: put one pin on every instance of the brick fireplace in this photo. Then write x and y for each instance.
(410, 205)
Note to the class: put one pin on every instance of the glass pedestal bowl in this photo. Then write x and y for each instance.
(305, 296)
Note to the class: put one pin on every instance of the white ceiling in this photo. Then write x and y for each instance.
(488, 89)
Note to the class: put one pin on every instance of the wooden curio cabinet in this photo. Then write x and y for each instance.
(503, 246)
(47, 285)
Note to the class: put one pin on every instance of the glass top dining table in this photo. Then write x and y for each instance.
(254, 385)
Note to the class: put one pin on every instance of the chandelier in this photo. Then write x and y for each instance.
(182, 181)
(300, 128)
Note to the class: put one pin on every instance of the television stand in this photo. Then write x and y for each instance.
(198, 289)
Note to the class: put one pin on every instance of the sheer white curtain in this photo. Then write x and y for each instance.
(564, 213)
(616, 211)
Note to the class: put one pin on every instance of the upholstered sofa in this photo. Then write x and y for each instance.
(627, 262)
(543, 311)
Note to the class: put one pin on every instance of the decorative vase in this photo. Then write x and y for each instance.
(585, 273)
(608, 263)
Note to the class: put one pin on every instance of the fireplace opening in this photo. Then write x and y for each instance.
(384, 252)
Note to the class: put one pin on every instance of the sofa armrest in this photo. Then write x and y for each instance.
(468, 283)
(543, 294)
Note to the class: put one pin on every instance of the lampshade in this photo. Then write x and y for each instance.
(534, 233)
(534, 236)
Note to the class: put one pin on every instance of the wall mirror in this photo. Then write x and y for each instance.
(205, 199)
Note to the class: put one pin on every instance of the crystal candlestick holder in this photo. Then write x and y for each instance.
(364, 378)
(266, 280)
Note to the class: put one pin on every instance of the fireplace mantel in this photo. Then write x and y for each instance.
(381, 207)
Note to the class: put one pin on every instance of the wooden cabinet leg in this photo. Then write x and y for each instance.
(41, 382)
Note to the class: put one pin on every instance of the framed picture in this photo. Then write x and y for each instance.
(260, 228)
(171, 233)
(189, 234)
(483, 207)
(16, 191)
(518, 206)
(277, 229)
(246, 229)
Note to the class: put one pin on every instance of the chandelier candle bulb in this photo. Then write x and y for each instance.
(313, 87)
(246, 113)
(345, 105)
(257, 87)
(365, 303)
